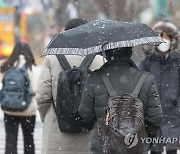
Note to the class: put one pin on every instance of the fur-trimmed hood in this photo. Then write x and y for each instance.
(171, 30)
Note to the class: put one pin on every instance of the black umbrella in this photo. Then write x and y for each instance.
(109, 34)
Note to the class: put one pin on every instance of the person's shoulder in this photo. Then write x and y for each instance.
(97, 62)
(34, 71)
(49, 57)
(146, 60)
(148, 80)
(149, 77)
(94, 74)
(74, 58)
(36, 68)
(175, 55)
(148, 57)
(98, 58)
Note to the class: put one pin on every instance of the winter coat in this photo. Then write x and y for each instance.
(166, 72)
(33, 76)
(123, 77)
(54, 141)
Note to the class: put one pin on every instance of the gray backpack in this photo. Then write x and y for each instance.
(16, 93)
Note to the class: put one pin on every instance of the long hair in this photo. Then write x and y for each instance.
(19, 49)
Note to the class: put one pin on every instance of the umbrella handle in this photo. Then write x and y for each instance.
(102, 46)
(103, 51)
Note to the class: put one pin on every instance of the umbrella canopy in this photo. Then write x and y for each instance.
(101, 35)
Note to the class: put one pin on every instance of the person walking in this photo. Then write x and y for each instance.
(123, 74)
(21, 56)
(163, 62)
(54, 141)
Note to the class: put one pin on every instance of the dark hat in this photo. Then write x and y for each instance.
(119, 53)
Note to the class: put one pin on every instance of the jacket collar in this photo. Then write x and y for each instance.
(125, 62)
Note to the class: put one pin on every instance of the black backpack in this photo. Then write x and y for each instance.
(124, 122)
(16, 93)
(69, 91)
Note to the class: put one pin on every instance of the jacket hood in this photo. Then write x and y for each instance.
(171, 30)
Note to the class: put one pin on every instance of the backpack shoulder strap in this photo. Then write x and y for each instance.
(63, 62)
(140, 84)
(25, 74)
(107, 83)
(87, 61)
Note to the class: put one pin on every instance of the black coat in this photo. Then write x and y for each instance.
(123, 77)
(166, 74)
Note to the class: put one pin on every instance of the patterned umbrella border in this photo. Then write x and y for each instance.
(156, 40)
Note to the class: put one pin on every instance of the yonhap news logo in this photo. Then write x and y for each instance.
(131, 140)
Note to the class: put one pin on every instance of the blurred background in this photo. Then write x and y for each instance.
(37, 21)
